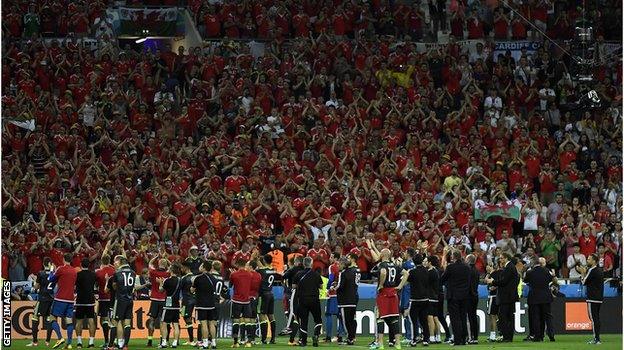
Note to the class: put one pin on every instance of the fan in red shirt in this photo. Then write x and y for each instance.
(212, 24)
(475, 27)
(605, 261)
(567, 152)
(234, 182)
(241, 281)
(320, 257)
(184, 210)
(501, 24)
(243, 254)
(56, 253)
(587, 242)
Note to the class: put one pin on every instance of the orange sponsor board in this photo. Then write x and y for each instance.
(22, 312)
(577, 317)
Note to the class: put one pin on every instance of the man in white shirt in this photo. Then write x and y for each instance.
(493, 104)
(402, 223)
(162, 95)
(524, 71)
(275, 124)
(489, 246)
(458, 239)
(576, 261)
(318, 228)
(546, 95)
(246, 101)
(478, 54)
(103, 26)
(506, 244)
(88, 111)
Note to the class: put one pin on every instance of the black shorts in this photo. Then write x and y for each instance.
(432, 308)
(104, 308)
(43, 308)
(84, 311)
(492, 305)
(207, 314)
(266, 304)
(156, 309)
(293, 305)
(122, 310)
(170, 315)
(187, 310)
(253, 307)
(240, 310)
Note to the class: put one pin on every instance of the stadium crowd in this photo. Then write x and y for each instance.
(342, 132)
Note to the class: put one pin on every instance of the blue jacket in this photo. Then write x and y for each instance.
(405, 292)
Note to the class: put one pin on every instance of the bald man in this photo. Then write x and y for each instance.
(389, 277)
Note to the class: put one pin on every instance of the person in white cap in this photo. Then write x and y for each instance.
(194, 261)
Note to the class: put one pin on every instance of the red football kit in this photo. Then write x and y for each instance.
(254, 287)
(241, 281)
(155, 293)
(65, 277)
(101, 276)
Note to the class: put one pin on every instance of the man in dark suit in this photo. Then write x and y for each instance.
(538, 279)
(457, 279)
(550, 331)
(473, 300)
(593, 280)
(506, 296)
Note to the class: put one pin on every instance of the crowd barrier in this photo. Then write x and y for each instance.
(368, 291)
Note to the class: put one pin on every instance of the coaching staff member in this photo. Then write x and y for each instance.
(306, 285)
(457, 279)
(473, 300)
(347, 294)
(538, 278)
(593, 279)
(506, 295)
(420, 290)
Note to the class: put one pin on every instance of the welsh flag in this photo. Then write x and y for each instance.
(510, 209)
(147, 22)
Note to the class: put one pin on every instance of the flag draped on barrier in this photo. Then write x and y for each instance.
(155, 22)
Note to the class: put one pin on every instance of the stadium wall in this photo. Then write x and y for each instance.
(569, 317)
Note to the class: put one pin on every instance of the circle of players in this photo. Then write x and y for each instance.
(178, 290)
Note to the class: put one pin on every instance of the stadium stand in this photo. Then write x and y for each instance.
(360, 121)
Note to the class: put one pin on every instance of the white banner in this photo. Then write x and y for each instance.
(501, 47)
(466, 46)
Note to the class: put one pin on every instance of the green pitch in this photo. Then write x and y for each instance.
(564, 342)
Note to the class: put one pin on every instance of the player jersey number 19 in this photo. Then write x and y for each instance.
(391, 274)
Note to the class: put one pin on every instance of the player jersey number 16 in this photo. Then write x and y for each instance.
(128, 279)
